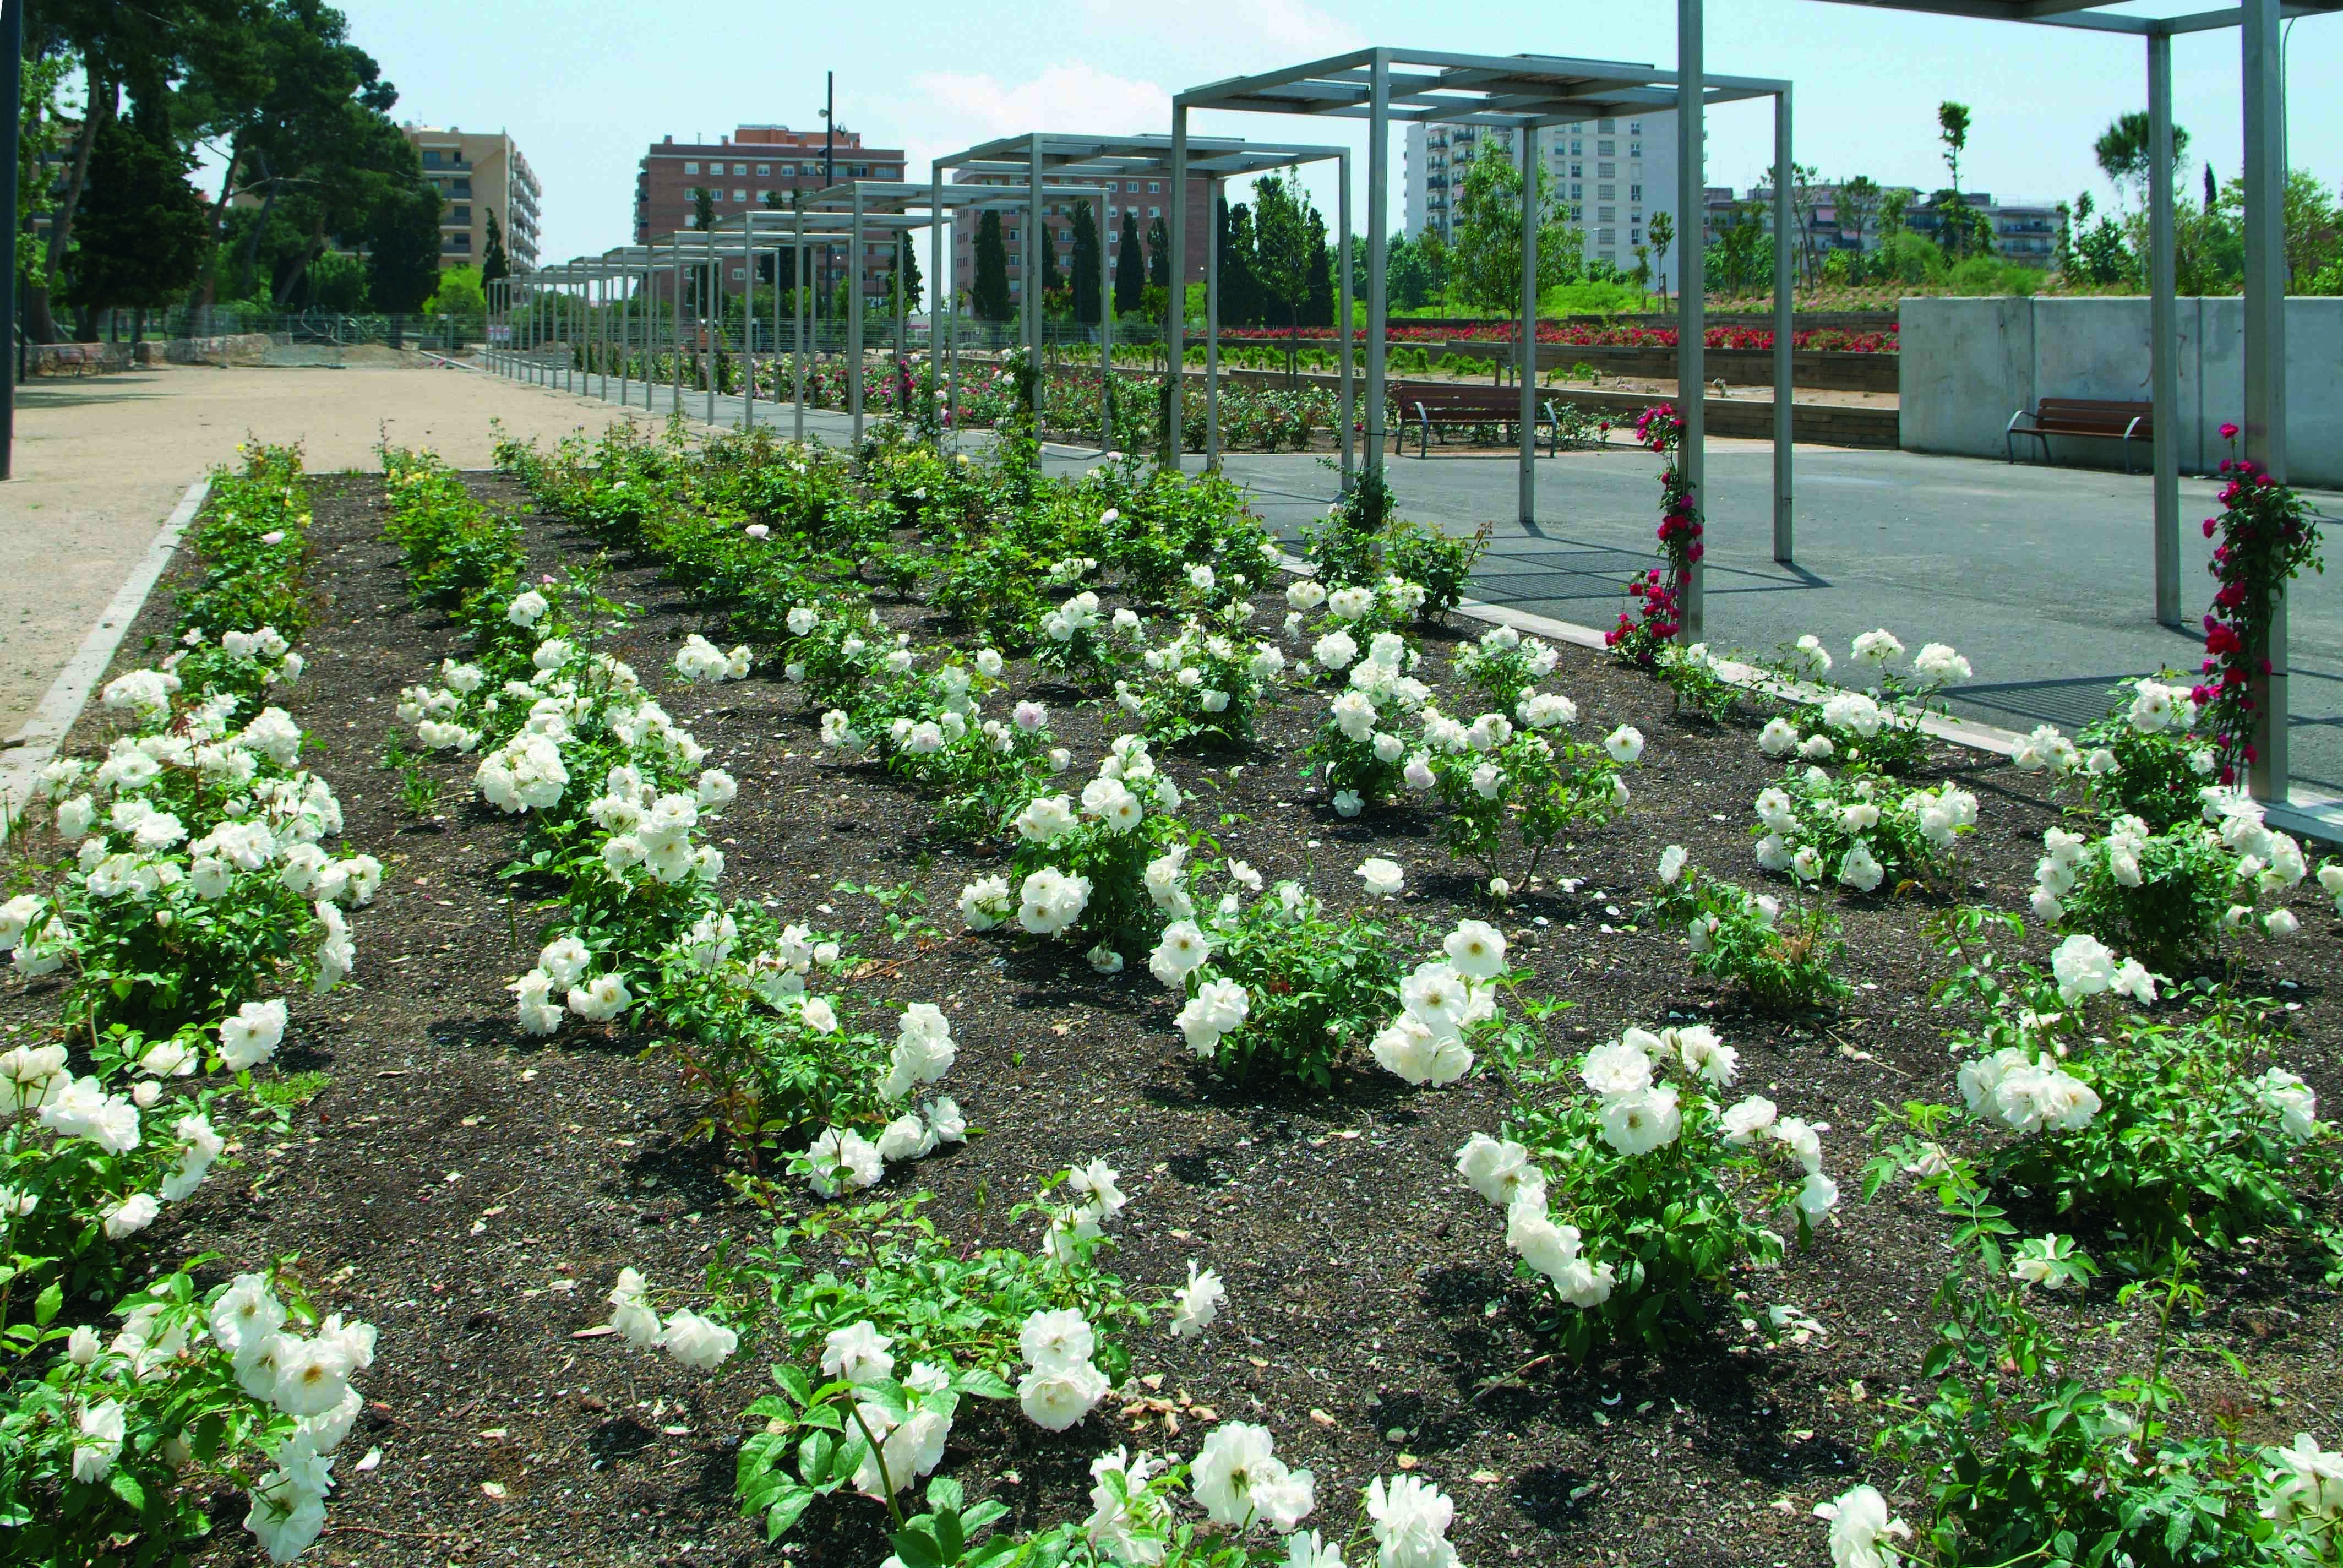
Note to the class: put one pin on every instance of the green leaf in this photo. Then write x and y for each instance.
(47, 1305)
(786, 1509)
(125, 1486)
(918, 1549)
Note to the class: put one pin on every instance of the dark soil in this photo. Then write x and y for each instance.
(473, 1192)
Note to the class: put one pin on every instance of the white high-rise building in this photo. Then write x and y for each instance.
(1614, 174)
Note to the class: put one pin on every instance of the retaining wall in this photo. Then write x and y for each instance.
(1968, 364)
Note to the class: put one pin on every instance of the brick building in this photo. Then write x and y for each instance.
(1145, 199)
(754, 167)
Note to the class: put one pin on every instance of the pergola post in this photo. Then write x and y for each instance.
(854, 321)
(1175, 304)
(625, 284)
(675, 275)
(900, 361)
(1785, 325)
(748, 319)
(1527, 346)
(1106, 327)
(1037, 237)
(1692, 302)
(798, 295)
(935, 300)
(2164, 312)
(1342, 317)
(2265, 357)
(1216, 197)
(1378, 224)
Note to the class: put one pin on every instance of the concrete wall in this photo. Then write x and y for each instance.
(1968, 362)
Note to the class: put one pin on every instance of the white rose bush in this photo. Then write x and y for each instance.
(202, 881)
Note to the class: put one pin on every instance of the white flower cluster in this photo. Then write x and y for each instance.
(1051, 899)
(701, 662)
(2309, 1484)
(695, 1341)
(1439, 1001)
(1061, 1385)
(2020, 1092)
(306, 1379)
(1833, 826)
(841, 1159)
(652, 832)
(2156, 707)
(1500, 1172)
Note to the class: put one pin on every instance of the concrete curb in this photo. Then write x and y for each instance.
(33, 746)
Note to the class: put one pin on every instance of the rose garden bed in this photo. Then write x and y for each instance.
(473, 1191)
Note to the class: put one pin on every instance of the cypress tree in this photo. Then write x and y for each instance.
(494, 263)
(1085, 263)
(1159, 255)
(991, 301)
(1318, 293)
(1130, 266)
(1046, 244)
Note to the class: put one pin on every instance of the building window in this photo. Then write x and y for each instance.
(691, 169)
(1635, 127)
(1634, 236)
(1604, 128)
(1154, 212)
(1606, 193)
(739, 195)
(1606, 215)
(462, 213)
(1636, 193)
(740, 168)
(1154, 187)
(1606, 171)
(1578, 171)
(737, 274)
(460, 188)
(764, 168)
(715, 196)
(1578, 193)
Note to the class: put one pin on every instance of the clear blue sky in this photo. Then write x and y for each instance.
(584, 85)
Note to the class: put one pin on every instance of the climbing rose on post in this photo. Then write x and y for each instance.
(2266, 538)
(1638, 640)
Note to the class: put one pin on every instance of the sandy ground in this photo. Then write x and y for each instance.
(100, 462)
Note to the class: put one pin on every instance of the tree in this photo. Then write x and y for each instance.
(1486, 271)
(703, 208)
(1045, 246)
(460, 294)
(1407, 276)
(1318, 290)
(1085, 263)
(2122, 152)
(494, 264)
(403, 252)
(1240, 294)
(142, 224)
(1280, 239)
(906, 262)
(1858, 201)
(1952, 130)
(1158, 256)
(1892, 205)
(1662, 230)
(1130, 266)
(991, 291)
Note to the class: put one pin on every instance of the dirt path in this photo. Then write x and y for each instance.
(100, 462)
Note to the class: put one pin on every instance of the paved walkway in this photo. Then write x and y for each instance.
(101, 461)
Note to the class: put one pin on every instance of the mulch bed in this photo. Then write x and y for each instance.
(473, 1192)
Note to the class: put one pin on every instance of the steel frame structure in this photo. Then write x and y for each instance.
(2263, 92)
(1526, 93)
(1037, 157)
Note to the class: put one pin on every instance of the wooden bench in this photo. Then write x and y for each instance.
(1443, 405)
(2092, 419)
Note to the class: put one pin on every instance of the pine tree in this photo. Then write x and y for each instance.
(990, 300)
(494, 264)
(1318, 286)
(1159, 255)
(141, 231)
(1085, 263)
(1130, 266)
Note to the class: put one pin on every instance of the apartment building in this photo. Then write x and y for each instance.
(1614, 174)
(477, 172)
(1144, 199)
(754, 168)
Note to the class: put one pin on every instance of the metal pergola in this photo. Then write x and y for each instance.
(1035, 156)
(1524, 93)
(2261, 68)
(867, 199)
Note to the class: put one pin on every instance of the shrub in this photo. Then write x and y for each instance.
(1503, 786)
(1861, 830)
(1745, 938)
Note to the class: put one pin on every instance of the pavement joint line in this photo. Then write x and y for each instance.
(33, 746)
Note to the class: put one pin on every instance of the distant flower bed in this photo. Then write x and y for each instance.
(1831, 339)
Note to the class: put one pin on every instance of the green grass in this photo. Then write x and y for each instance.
(291, 1091)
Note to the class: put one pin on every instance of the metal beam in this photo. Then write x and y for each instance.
(1692, 303)
(2265, 349)
(2164, 313)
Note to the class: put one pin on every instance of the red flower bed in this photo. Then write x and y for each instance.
(1830, 339)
